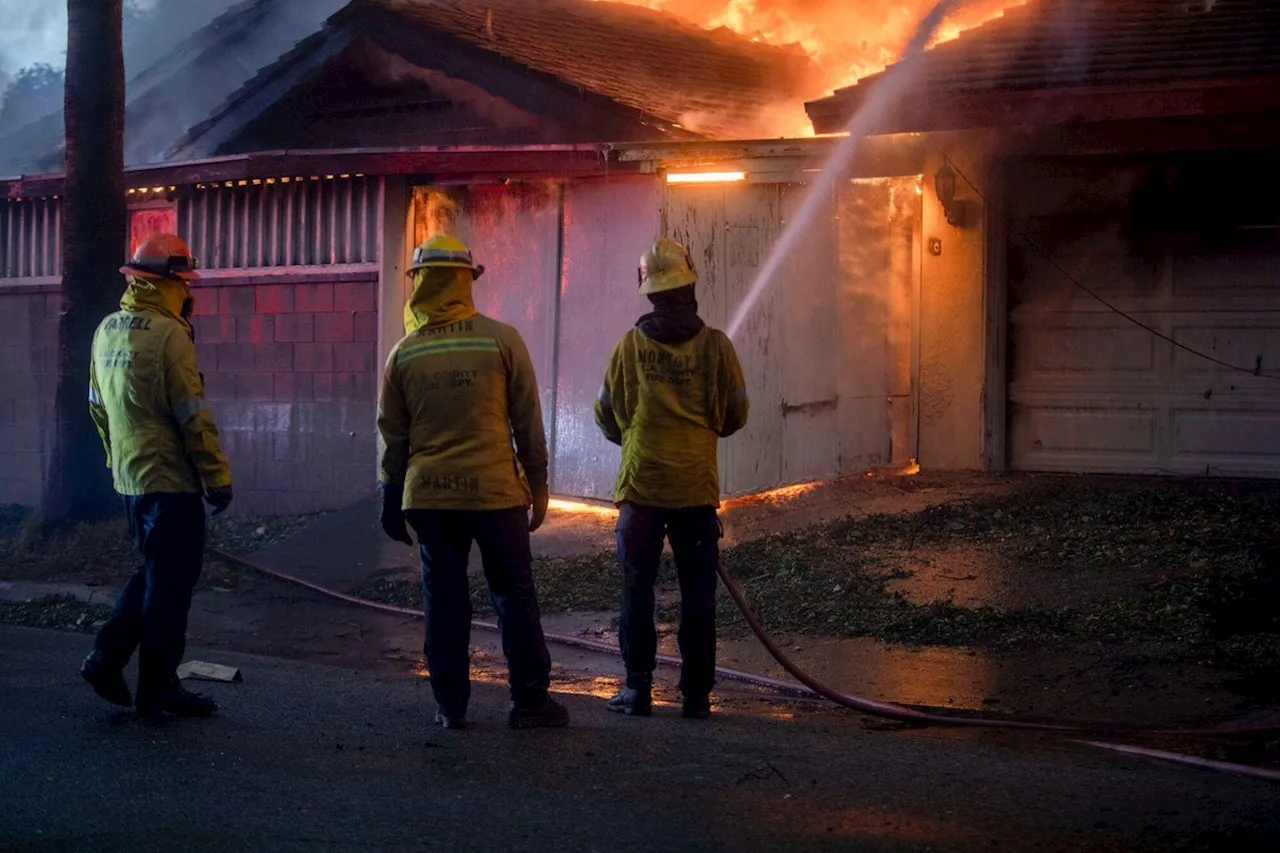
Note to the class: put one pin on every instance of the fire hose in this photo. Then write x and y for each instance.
(807, 685)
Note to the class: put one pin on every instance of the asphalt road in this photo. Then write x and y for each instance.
(311, 757)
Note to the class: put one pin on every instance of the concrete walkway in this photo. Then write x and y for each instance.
(346, 548)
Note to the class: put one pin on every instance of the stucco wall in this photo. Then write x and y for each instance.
(952, 318)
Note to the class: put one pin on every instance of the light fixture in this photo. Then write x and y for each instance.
(944, 184)
(705, 177)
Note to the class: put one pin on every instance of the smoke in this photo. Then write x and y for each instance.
(34, 31)
(384, 69)
(782, 118)
(849, 39)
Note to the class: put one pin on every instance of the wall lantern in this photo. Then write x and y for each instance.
(944, 183)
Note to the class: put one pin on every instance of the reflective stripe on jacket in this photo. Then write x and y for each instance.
(146, 396)
(459, 412)
(668, 405)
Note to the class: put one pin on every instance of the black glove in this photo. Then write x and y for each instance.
(393, 513)
(541, 497)
(219, 498)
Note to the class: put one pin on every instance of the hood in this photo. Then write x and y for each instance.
(162, 295)
(441, 295)
(674, 319)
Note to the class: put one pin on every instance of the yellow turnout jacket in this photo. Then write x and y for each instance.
(459, 411)
(668, 404)
(147, 398)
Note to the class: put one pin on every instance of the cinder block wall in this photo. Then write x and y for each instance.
(28, 366)
(291, 372)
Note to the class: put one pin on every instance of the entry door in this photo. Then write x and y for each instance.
(879, 313)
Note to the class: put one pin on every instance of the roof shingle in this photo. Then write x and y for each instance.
(715, 83)
(1064, 44)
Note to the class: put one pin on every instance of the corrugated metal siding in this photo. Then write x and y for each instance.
(31, 238)
(608, 224)
(320, 221)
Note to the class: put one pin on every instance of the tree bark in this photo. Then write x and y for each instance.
(95, 224)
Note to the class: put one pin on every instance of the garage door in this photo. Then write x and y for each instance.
(1187, 247)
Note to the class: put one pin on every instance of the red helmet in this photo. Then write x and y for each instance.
(163, 256)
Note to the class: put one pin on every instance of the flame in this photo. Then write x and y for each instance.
(579, 508)
(785, 493)
(848, 40)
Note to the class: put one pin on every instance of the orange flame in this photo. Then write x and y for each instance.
(570, 507)
(848, 40)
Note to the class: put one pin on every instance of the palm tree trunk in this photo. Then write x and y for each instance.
(95, 220)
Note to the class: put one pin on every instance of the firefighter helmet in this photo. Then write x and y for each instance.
(667, 265)
(163, 256)
(447, 251)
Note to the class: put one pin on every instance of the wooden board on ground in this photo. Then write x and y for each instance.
(204, 671)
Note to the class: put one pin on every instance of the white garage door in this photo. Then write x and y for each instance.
(1190, 249)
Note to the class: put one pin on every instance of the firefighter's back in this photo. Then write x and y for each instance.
(675, 409)
(455, 382)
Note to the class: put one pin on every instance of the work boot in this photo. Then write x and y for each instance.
(547, 714)
(450, 722)
(107, 681)
(175, 700)
(696, 708)
(632, 702)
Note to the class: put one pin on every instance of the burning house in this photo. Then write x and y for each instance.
(1108, 299)
(559, 137)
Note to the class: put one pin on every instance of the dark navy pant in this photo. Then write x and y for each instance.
(151, 613)
(695, 541)
(444, 539)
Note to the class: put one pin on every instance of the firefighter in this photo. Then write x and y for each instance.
(146, 398)
(672, 390)
(465, 458)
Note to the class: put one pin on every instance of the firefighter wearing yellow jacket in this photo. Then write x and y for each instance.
(672, 390)
(146, 397)
(465, 458)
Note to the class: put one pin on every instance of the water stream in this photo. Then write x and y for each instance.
(895, 83)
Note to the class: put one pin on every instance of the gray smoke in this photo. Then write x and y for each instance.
(35, 32)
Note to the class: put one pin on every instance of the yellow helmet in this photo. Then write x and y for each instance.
(444, 250)
(667, 265)
(163, 256)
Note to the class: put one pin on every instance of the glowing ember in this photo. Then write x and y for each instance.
(577, 508)
(785, 493)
